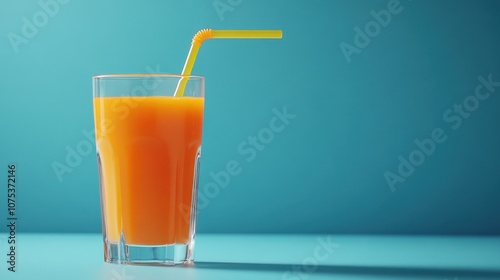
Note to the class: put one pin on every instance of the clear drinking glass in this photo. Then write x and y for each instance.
(148, 144)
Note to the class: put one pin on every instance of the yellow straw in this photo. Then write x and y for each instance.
(206, 34)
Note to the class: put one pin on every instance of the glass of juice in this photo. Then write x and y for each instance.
(148, 144)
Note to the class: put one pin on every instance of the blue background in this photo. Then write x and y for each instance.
(324, 172)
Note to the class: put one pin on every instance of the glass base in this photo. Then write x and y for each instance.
(113, 252)
(164, 255)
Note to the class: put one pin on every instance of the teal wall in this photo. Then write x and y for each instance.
(358, 94)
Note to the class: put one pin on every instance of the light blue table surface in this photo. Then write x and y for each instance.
(280, 257)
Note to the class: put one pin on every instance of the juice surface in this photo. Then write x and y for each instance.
(148, 148)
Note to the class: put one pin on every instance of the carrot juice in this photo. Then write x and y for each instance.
(148, 149)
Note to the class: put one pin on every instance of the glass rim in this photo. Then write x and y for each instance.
(107, 76)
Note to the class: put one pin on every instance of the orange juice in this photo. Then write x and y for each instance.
(148, 150)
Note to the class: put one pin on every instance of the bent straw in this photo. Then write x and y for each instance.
(206, 34)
